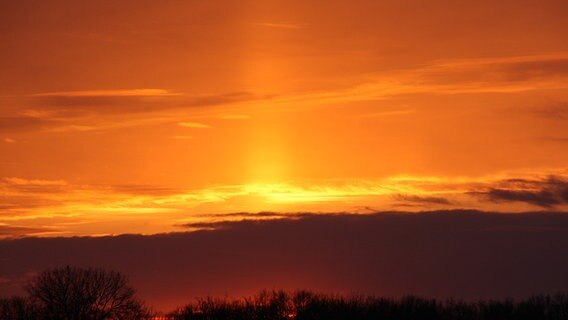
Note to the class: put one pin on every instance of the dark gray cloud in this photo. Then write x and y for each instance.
(249, 217)
(422, 200)
(463, 254)
(546, 193)
(261, 214)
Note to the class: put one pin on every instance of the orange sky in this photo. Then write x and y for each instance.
(140, 116)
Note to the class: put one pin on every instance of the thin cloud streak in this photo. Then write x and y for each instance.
(454, 77)
(387, 113)
(194, 125)
(11, 232)
(235, 117)
(111, 93)
(280, 25)
(89, 110)
(104, 110)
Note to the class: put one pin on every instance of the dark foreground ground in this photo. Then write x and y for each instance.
(304, 305)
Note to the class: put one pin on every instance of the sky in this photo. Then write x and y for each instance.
(171, 121)
(141, 116)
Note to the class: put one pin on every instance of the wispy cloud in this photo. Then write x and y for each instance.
(388, 113)
(503, 74)
(17, 232)
(99, 110)
(552, 111)
(111, 93)
(234, 117)
(34, 182)
(103, 209)
(16, 124)
(89, 110)
(75, 104)
(556, 139)
(194, 125)
(280, 25)
(466, 76)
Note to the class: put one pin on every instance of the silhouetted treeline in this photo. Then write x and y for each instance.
(303, 305)
(73, 293)
(18, 308)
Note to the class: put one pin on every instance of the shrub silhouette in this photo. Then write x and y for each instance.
(18, 308)
(73, 293)
(304, 305)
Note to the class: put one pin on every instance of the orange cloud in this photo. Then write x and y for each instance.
(53, 204)
(195, 125)
(290, 107)
(111, 93)
(280, 25)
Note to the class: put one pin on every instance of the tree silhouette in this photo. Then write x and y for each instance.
(304, 305)
(18, 308)
(73, 293)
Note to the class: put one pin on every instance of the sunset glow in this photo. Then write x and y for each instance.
(172, 112)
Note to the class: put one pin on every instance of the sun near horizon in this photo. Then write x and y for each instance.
(138, 117)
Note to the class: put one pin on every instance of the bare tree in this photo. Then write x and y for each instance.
(73, 293)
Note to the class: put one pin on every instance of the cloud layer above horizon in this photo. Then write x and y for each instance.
(441, 254)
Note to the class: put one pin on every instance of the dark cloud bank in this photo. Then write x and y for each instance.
(458, 254)
(544, 193)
